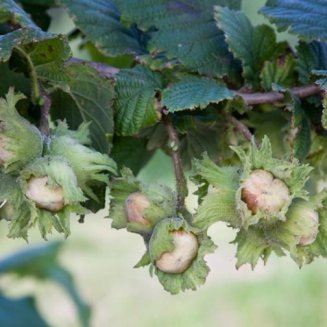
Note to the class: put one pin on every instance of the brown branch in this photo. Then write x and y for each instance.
(249, 98)
(45, 112)
(272, 97)
(103, 69)
(242, 128)
(174, 147)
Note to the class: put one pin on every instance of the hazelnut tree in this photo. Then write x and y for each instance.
(242, 113)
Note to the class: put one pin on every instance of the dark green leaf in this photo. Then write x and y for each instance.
(311, 56)
(252, 45)
(136, 106)
(185, 30)
(203, 137)
(32, 261)
(49, 3)
(194, 92)
(38, 12)
(17, 38)
(86, 97)
(130, 152)
(10, 78)
(41, 262)
(323, 80)
(28, 32)
(48, 52)
(306, 18)
(20, 312)
(302, 128)
(100, 21)
(275, 125)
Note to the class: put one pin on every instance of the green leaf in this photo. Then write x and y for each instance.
(136, 106)
(275, 125)
(122, 149)
(144, 261)
(16, 38)
(302, 127)
(322, 82)
(39, 2)
(252, 45)
(319, 247)
(310, 56)
(28, 32)
(200, 138)
(81, 95)
(110, 35)
(194, 92)
(47, 53)
(306, 18)
(90, 167)
(32, 261)
(9, 78)
(38, 11)
(20, 312)
(184, 30)
(250, 247)
(34, 47)
(41, 262)
(11, 10)
(279, 72)
(22, 142)
(220, 202)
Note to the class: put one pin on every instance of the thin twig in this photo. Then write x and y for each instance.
(45, 112)
(273, 97)
(103, 69)
(174, 146)
(242, 128)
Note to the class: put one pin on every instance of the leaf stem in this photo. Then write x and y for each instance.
(242, 128)
(174, 147)
(45, 112)
(35, 83)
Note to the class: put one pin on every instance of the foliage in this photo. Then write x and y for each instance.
(200, 82)
(39, 262)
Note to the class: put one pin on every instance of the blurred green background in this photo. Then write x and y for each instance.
(102, 259)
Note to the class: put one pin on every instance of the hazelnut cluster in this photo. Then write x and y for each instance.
(266, 201)
(174, 249)
(47, 178)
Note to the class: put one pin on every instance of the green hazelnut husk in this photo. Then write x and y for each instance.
(20, 141)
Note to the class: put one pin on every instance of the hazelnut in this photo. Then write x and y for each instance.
(7, 211)
(178, 260)
(311, 219)
(261, 191)
(135, 205)
(4, 154)
(45, 197)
